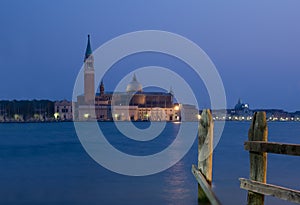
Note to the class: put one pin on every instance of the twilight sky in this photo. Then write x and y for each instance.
(255, 45)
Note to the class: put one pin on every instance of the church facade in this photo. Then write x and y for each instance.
(133, 104)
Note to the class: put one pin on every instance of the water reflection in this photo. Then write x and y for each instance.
(176, 190)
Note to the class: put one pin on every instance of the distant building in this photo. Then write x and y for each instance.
(63, 110)
(134, 104)
(125, 113)
(188, 112)
(241, 111)
(276, 114)
(221, 114)
(244, 107)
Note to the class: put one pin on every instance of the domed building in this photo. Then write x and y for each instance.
(135, 96)
(241, 106)
(134, 99)
(134, 104)
(134, 86)
(241, 111)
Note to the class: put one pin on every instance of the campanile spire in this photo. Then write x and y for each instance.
(89, 74)
(88, 51)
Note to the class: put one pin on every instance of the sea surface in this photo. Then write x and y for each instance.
(44, 163)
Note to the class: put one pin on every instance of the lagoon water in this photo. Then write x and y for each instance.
(44, 163)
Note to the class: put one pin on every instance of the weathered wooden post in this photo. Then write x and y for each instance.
(205, 150)
(258, 160)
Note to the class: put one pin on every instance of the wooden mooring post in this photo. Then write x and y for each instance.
(258, 147)
(258, 160)
(203, 173)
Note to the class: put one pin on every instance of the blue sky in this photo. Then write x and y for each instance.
(255, 45)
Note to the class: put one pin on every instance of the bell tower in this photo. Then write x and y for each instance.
(89, 75)
(102, 88)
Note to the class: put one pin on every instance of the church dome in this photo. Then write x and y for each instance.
(134, 86)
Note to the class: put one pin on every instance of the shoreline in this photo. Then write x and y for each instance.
(64, 121)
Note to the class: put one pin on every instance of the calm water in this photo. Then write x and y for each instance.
(45, 164)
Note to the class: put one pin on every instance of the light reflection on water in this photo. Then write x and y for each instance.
(175, 190)
(176, 180)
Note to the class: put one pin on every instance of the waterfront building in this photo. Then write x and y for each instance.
(276, 114)
(221, 114)
(133, 104)
(63, 110)
(241, 111)
(187, 112)
(125, 113)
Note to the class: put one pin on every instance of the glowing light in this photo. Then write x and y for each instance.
(16, 116)
(86, 115)
(176, 108)
(199, 117)
(56, 115)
